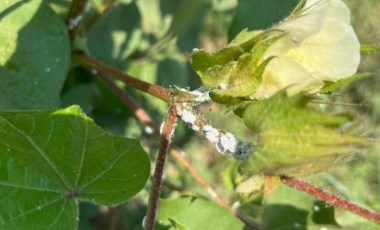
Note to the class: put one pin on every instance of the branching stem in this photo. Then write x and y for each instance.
(331, 198)
(166, 136)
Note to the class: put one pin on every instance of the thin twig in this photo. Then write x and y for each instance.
(331, 198)
(166, 137)
(154, 90)
(137, 110)
(76, 12)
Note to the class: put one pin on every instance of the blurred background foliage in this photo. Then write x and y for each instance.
(151, 40)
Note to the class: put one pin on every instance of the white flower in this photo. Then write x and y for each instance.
(319, 45)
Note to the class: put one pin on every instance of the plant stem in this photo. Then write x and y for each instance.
(76, 12)
(166, 136)
(140, 113)
(331, 198)
(154, 90)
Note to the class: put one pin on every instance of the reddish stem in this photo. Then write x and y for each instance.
(331, 198)
(154, 90)
(166, 136)
(137, 110)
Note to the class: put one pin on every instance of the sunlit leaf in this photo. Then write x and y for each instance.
(34, 57)
(50, 160)
(196, 213)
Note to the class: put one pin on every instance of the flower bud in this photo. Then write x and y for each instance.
(319, 45)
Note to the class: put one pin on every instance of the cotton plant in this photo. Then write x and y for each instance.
(268, 78)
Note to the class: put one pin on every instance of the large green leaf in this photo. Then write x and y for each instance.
(34, 57)
(50, 160)
(294, 139)
(196, 213)
(260, 14)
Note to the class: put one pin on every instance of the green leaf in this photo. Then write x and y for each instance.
(35, 55)
(50, 160)
(196, 213)
(367, 49)
(294, 139)
(177, 226)
(330, 86)
(260, 14)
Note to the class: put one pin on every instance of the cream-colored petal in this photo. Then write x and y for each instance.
(307, 24)
(284, 73)
(335, 25)
(299, 28)
(331, 61)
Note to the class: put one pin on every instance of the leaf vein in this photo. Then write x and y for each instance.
(40, 151)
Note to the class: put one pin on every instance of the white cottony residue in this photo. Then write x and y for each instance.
(188, 117)
(202, 94)
(211, 133)
(161, 127)
(148, 130)
(88, 7)
(195, 128)
(227, 143)
(75, 21)
(222, 86)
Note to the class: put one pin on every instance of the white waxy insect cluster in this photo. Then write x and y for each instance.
(224, 142)
(202, 94)
(227, 143)
(211, 134)
(189, 118)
